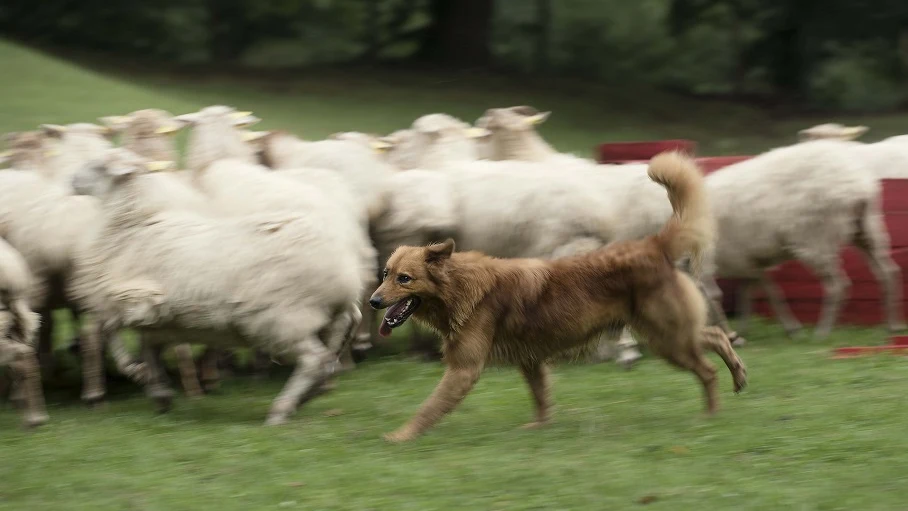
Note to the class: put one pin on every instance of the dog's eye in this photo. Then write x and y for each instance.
(403, 279)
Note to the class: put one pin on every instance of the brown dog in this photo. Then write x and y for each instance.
(524, 311)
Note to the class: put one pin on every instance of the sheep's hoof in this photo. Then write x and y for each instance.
(276, 420)
(628, 358)
(32, 421)
(93, 400)
(163, 404)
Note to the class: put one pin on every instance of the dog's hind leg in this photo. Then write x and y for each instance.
(537, 377)
(715, 340)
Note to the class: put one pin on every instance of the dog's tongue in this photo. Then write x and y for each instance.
(384, 330)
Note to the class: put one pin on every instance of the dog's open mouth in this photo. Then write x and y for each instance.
(397, 314)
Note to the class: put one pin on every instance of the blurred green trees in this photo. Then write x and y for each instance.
(843, 54)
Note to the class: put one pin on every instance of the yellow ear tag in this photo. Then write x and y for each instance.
(379, 146)
(166, 130)
(159, 166)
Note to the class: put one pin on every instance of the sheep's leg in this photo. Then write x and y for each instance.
(92, 362)
(27, 376)
(313, 366)
(628, 354)
(188, 376)
(744, 304)
(46, 341)
(779, 305)
(873, 242)
(713, 294)
(158, 387)
(835, 286)
(338, 337)
(76, 342)
(211, 377)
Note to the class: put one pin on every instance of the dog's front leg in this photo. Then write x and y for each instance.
(451, 390)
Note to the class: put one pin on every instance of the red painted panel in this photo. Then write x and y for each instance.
(895, 195)
(856, 312)
(710, 164)
(614, 152)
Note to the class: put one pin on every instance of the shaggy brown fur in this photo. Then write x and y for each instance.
(525, 311)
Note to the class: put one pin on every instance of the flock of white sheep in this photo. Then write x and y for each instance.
(268, 241)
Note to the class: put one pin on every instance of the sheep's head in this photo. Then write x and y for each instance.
(99, 177)
(432, 140)
(146, 123)
(28, 148)
(219, 114)
(515, 118)
(82, 129)
(217, 133)
(832, 131)
(369, 140)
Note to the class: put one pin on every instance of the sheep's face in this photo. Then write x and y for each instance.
(147, 123)
(515, 118)
(100, 177)
(28, 146)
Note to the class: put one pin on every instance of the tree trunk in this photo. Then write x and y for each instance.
(459, 34)
(228, 31)
(543, 27)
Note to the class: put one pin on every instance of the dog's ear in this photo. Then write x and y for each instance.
(440, 251)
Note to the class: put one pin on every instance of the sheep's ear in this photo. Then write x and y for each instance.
(188, 119)
(160, 166)
(854, 132)
(53, 130)
(534, 120)
(381, 145)
(243, 119)
(170, 128)
(252, 136)
(476, 132)
(121, 172)
(116, 122)
(440, 252)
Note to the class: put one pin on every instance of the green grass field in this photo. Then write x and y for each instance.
(809, 433)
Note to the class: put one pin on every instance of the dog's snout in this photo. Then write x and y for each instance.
(375, 301)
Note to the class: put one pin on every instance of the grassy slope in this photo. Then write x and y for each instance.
(809, 433)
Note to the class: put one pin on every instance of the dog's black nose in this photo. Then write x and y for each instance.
(375, 302)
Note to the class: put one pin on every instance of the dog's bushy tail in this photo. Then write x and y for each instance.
(692, 229)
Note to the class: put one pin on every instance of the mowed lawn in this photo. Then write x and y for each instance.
(809, 433)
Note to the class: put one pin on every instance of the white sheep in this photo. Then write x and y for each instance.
(803, 202)
(279, 281)
(433, 141)
(359, 166)
(224, 168)
(887, 159)
(18, 325)
(45, 224)
(149, 133)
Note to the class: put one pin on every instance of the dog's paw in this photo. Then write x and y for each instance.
(535, 425)
(740, 377)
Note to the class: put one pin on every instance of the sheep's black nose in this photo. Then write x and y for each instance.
(375, 302)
